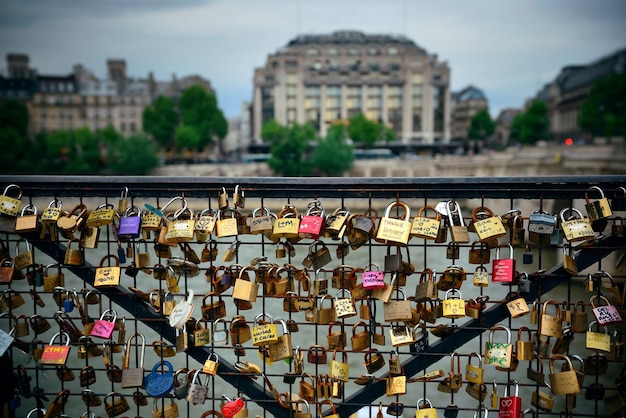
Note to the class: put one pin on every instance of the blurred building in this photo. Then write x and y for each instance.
(323, 79)
(504, 121)
(565, 95)
(465, 104)
(80, 99)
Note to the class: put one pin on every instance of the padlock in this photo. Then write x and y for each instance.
(378, 338)
(317, 257)
(287, 224)
(103, 327)
(424, 409)
(344, 306)
(264, 331)
(477, 391)
(510, 405)
(361, 340)
(56, 354)
(102, 215)
(569, 263)
(401, 335)
(73, 256)
(39, 324)
(595, 340)
(182, 339)
(544, 402)
(605, 314)
(480, 255)
(325, 315)
(160, 384)
(524, 349)
(452, 251)
(517, 232)
(425, 227)
(130, 224)
(516, 305)
(497, 353)
(182, 227)
(481, 276)
(563, 382)
(597, 209)
(197, 391)
(133, 377)
(503, 269)
(451, 278)
(10, 206)
(454, 381)
(49, 219)
(106, 276)
(281, 349)
(420, 339)
(89, 237)
(336, 339)
(458, 230)
(488, 227)
(576, 228)
(527, 257)
(28, 221)
(372, 279)
(426, 289)
(474, 374)
(551, 325)
(541, 222)
(244, 289)
(312, 222)
(215, 309)
(168, 410)
(398, 310)
(393, 231)
(339, 369)
(395, 385)
(453, 304)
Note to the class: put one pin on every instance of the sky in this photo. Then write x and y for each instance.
(509, 49)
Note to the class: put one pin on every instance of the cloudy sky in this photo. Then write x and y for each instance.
(507, 48)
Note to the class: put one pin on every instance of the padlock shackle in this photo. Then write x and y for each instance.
(423, 401)
(500, 327)
(407, 210)
(143, 350)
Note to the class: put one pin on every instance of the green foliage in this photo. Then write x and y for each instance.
(14, 157)
(273, 131)
(292, 155)
(135, 156)
(333, 155)
(481, 126)
(187, 137)
(198, 109)
(14, 114)
(367, 132)
(532, 125)
(603, 112)
(288, 153)
(160, 120)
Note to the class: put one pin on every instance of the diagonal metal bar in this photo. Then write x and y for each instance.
(549, 280)
(144, 312)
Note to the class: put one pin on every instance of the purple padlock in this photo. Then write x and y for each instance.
(130, 224)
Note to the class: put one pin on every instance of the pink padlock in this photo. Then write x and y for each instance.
(373, 279)
(103, 327)
(606, 314)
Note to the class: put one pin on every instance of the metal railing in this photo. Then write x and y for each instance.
(365, 195)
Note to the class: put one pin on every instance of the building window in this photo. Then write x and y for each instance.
(291, 116)
(312, 52)
(333, 65)
(394, 66)
(291, 64)
(332, 52)
(313, 91)
(393, 51)
(373, 52)
(374, 66)
(353, 52)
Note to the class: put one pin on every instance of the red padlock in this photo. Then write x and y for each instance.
(510, 406)
(503, 269)
(312, 222)
(232, 406)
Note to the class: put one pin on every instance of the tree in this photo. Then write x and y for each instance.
(14, 114)
(160, 120)
(272, 131)
(14, 141)
(198, 109)
(134, 156)
(288, 151)
(481, 126)
(532, 125)
(333, 155)
(187, 137)
(603, 113)
(367, 132)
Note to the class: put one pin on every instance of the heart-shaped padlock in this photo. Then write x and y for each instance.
(159, 384)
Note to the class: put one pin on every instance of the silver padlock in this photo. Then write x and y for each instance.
(523, 283)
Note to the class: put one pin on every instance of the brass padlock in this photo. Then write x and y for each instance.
(458, 230)
(73, 256)
(393, 231)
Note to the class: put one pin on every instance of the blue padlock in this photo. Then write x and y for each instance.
(159, 384)
(68, 304)
(121, 253)
(15, 402)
